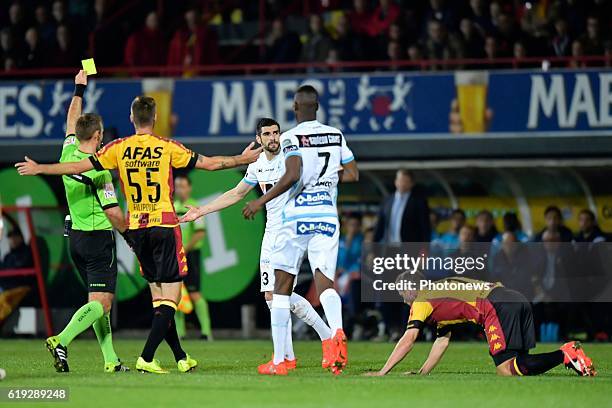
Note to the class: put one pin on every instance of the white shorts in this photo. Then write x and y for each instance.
(266, 272)
(317, 236)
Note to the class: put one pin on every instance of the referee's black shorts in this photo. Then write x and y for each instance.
(160, 253)
(94, 255)
(192, 280)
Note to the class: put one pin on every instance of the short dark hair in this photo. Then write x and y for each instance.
(511, 222)
(458, 211)
(553, 208)
(308, 90)
(486, 212)
(87, 125)
(406, 172)
(588, 212)
(354, 215)
(263, 122)
(143, 110)
(183, 176)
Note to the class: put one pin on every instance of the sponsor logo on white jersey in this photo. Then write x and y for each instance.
(313, 199)
(314, 227)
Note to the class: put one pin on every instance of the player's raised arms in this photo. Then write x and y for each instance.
(248, 156)
(31, 168)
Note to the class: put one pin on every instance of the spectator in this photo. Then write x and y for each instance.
(194, 44)
(495, 11)
(480, 17)
(552, 265)
(64, 55)
(34, 50)
(491, 52)
(438, 46)
(17, 23)
(46, 29)
(485, 227)
(349, 263)
(434, 220)
(520, 55)
(472, 42)
(147, 46)
(513, 225)
(19, 255)
(360, 18)
(60, 15)
(589, 230)
(394, 55)
(511, 265)
(506, 35)
(404, 215)
(415, 55)
(467, 250)
(107, 36)
(8, 52)
(561, 42)
(283, 45)
(384, 15)
(318, 44)
(395, 34)
(554, 223)
(591, 40)
(449, 241)
(348, 44)
(577, 60)
(439, 11)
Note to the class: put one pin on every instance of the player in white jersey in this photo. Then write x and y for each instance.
(265, 172)
(316, 158)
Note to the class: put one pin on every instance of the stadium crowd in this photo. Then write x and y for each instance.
(41, 34)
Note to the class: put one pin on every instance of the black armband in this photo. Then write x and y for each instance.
(79, 90)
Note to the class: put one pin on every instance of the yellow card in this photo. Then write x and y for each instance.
(89, 66)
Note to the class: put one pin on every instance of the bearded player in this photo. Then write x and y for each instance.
(265, 172)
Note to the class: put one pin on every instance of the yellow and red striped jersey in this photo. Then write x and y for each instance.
(445, 308)
(145, 165)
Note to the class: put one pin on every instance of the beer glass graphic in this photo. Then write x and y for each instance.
(472, 97)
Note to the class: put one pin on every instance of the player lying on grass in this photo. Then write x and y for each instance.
(266, 171)
(316, 158)
(94, 212)
(507, 320)
(144, 163)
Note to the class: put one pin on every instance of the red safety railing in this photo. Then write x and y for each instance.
(247, 69)
(36, 270)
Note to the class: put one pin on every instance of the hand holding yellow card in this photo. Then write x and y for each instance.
(89, 66)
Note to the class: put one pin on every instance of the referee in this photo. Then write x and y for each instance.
(94, 212)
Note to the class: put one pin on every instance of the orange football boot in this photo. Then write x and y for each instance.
(574, 358)
(341, 351)
(328, 353)
(291, 364)
(270, 368)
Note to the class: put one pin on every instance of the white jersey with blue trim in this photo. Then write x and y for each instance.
(266, 173)
(323, 150)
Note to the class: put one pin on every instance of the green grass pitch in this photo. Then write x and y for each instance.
(227, 377)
